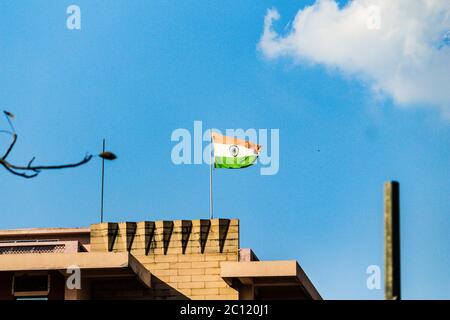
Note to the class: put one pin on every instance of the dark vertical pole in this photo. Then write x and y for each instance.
(103, 183)
(211, 156)
(392, 241)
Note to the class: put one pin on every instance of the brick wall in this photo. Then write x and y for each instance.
(183, 256)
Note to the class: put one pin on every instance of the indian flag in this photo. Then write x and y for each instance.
(233, 153)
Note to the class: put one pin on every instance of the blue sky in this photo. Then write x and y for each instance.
(137, 70)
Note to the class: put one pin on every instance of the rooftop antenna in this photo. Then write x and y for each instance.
(103, 184)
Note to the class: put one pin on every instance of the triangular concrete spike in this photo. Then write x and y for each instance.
(149, 233)
(186, 229)
(130, 232)
(167, 234)
(205, 226)
(113, 229)
(224, 225)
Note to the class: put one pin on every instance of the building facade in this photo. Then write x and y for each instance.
(182, 259)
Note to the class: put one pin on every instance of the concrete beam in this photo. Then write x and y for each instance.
(85, 261)
(265, 271)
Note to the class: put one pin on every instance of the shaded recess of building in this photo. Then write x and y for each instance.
(182, 259)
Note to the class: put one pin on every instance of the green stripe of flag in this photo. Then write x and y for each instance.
(234, 163)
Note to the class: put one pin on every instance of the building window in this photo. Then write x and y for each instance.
(31, 286)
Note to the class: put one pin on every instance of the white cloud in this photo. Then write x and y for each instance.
(400, 47)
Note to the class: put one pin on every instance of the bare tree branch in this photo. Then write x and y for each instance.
(22, 171)
(39, 168)
(23, 175)
(11, 146)
(10, 116)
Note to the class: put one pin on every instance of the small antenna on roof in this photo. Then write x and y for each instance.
(103, 184)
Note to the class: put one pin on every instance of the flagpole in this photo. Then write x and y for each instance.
(103, 184)
(211, 213)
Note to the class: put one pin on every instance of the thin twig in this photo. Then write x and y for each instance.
(22, 171)
(11, 146)
(63, 166)
(24, 175)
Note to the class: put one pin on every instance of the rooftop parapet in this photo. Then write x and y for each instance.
(167, 237)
